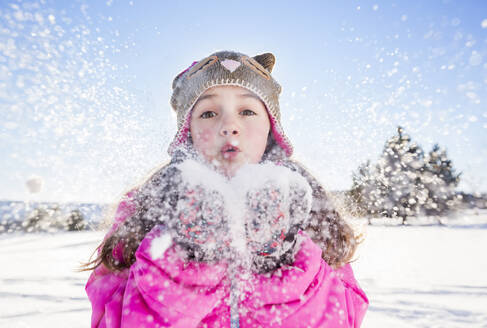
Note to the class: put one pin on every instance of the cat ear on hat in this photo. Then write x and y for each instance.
(267, 60)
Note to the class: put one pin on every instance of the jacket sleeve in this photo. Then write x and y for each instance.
(106, 288)
(357, 301)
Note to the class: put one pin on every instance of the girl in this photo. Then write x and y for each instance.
(232, 232)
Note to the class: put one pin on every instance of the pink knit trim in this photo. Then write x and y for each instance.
(279, 139)
(194, 63)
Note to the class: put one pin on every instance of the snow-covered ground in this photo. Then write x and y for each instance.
(426, 276)
(417, 276)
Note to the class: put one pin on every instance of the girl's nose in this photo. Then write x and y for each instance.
(229, 124)
(229, 131)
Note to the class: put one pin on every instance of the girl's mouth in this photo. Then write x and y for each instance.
(229, 151)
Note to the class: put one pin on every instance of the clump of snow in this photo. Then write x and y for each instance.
(34, 184)
(159, 245)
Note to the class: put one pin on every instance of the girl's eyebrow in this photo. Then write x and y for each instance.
(203, 98)
(251, 95)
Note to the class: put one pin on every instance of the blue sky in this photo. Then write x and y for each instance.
(85, 85)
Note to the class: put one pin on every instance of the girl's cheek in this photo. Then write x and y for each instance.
(259, 140)
(259, 134)
(202, 137)
(204, 142)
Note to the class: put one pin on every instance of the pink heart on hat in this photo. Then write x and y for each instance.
(230, 64)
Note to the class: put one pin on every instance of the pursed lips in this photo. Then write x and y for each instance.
(229, 150)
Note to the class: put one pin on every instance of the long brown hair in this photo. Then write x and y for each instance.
(326, 227)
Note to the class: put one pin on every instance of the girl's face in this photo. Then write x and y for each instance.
(229, 127)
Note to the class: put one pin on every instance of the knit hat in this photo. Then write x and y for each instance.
(227, 68)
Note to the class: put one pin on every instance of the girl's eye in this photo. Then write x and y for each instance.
(248, 112)
(208, 114)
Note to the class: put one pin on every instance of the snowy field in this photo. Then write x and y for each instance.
(417, 276)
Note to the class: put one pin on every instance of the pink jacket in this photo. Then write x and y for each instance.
(167, 292)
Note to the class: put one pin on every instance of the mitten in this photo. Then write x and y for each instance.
(267, 218)
(278, 202)
(199, 222)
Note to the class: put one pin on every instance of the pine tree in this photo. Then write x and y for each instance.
(393, 187)
(440, 180)
(399, 171)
